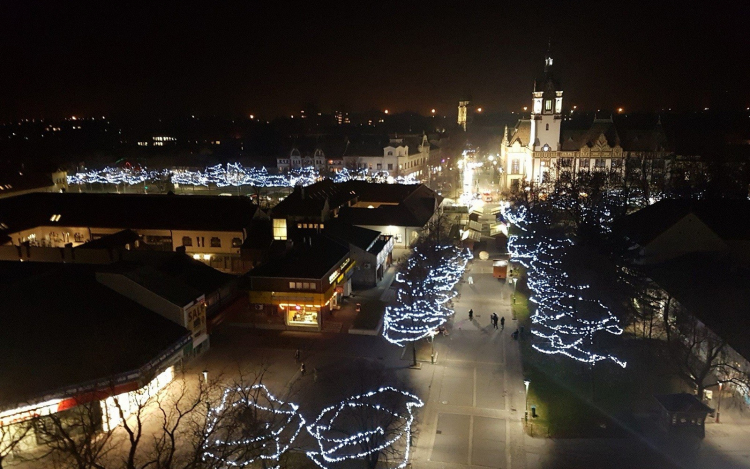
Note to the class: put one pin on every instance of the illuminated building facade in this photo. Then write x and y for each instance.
(210, 229)
(304, 284)
(547, 145)
(85, 343)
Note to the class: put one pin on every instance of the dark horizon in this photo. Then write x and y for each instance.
(238, 59)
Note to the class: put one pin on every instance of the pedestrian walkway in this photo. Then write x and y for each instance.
(473, 413)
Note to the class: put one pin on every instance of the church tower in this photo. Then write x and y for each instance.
(546, 114)
(462, 113)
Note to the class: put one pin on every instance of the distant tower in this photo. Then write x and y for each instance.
(462, 113)
(546, 114)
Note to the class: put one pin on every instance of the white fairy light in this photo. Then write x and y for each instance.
(334, 449)
(560, 305)
(277, 441)
(421, 304)
(233, 174)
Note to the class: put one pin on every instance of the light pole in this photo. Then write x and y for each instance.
(526, 383)
(432, 343)
(718, 405)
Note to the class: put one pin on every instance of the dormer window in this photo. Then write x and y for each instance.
(548, 105)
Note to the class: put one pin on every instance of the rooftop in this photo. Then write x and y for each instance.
(62, 328)
(726, 310)
(127, 211)
(309, 261)
(729, 219)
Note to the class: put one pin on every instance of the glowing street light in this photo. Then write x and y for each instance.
(619, 109)
(433, 111)
(479, 109)
(525, 108)
(526, 383)
(386, 111)
(252, 116)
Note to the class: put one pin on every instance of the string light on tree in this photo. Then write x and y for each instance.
(426, 288)
(279, 430)
(566, 321)
(387, 427)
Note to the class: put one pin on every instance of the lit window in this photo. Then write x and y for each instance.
(291, 285)
(279, 229)
(548, 105)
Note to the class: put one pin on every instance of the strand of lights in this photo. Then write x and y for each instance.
(421, 303)
(335, 449)
(564, 319)
(273, 444)
(233, 174)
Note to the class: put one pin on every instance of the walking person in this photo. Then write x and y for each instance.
(494, 320)
(471, 315)
(502, 323)
(296, 355)
(302, 370)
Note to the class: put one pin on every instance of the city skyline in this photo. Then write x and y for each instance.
(240, 59)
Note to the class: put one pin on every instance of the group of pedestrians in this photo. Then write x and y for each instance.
(494, 319)
(302, 368)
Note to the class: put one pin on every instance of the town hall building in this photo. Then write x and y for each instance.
(547, 145)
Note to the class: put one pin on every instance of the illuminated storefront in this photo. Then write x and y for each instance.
(304, 303)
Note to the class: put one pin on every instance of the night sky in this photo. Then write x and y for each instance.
(116, 59)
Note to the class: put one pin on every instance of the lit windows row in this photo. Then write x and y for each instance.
(311, 225)
(301, 285)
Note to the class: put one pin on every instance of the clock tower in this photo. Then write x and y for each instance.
(546, 111)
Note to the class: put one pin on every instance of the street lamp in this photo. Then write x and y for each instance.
(718, 405)
(526, 383)
(432, 343)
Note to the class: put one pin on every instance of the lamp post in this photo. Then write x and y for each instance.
(718, 405)
(526, 383)
(432, 344)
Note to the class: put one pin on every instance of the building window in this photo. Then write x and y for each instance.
(566, 162)
(584, 163)
(547, 128)
(187, 241)
(600, 163)
(390, 153)
(390, 166)
(279, 229)
(548, 105)
(380, 166)
(215, 242)
(515, 166)
(236, 242)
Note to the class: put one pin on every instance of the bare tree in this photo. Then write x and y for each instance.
(700, 356)
(12, 436)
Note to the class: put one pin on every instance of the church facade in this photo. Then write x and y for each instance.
(549, 145)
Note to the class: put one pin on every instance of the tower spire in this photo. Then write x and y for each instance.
(548, 57)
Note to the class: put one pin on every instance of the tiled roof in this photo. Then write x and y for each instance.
(521, 133)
